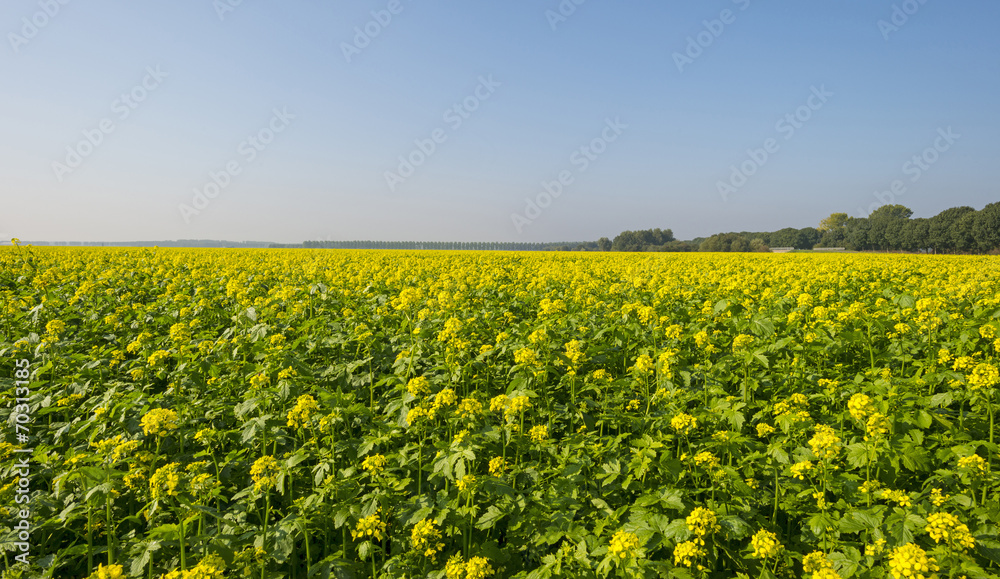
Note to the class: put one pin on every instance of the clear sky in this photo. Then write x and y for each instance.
(116, 115)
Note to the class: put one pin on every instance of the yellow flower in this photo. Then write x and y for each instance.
(742, 342)
(687, 552)
(469, 407)
(937, 498)
(374, 464)
(946, 527)
(816, 561)
(478, 568)
(764, 429)
(800, 469)
(825, 444)
(418, 386)
(706, 459)
(165, 481)
(109, 572)
(303, 410)
(497, 466)
(702, 522)
(624, 545)
(898, 497)
(426, 538)
(159, 421)
(911, 562)
(371, 526)
(684, 423)
(765, 544)
(539, 433)
(467, 483)
(860, 406)
(264, 473)
(975, 464)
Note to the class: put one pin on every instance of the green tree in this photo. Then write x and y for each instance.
(986, 228)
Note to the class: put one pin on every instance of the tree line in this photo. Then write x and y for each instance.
(888, 228)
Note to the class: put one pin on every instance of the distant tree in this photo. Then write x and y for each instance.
(915, 235)
(986, 228)
(963, 232)
(835, 222)
(806, 238)
(941, 234)
(887, 224)
(604, 244)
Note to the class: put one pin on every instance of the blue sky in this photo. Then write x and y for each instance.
(314, 133)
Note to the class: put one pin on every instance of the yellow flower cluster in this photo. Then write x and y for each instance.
(899, 497)
(369, 527)
(264, 473)
(687, 553)
(299, 415)
(418, 386)
(684, 423)
(624, 545)
(539, 433)
(816, 561)
(474, 568)
(946, 527)
(109, 572)
(975, 464)
(374, 464)
(702, 522)
(742, 342)
(426, 538)
(983, 376)
(878, 426)
(165, 481)
(469, 407)
(765, 544)
(825, 444)
(800, 469)
(159, 422)
(497, 466)
(860, 406)
(911, 562)
(764, 429)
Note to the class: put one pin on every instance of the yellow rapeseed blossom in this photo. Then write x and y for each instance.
(374, 464)
(860, 406)
(539, 433)
(624, 545)
(684, 423)
(497, 466)
(159, 422)
(825, 444)
(165, 481)
(702, 522)
(264, 473)
(686, 553)
(765, 544)
(109, 572)
(947, 528)
(303, 410)
(371, 527)
(974, 464)
(911, 562)
(426, 538)
(816, 561)
(800, 469)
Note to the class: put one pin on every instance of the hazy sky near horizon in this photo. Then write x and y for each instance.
(415, 120)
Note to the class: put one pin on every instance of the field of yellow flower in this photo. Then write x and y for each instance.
(322, 413)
